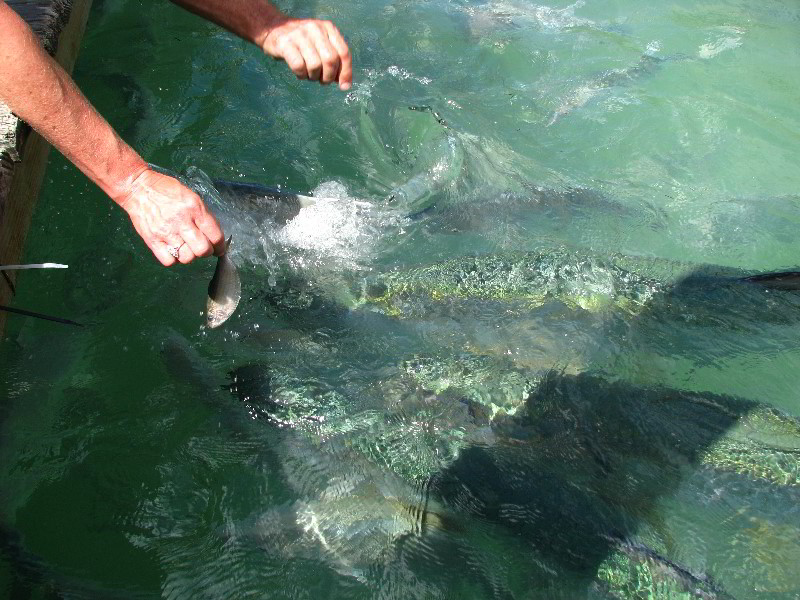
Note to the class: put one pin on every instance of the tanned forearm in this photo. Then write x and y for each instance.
(171, 219)
(41, 93)
(312, 48)
(251, 20)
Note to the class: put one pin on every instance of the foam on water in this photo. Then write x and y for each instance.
(337, 233)
(338, 229)
(730, 38)
(368, 78)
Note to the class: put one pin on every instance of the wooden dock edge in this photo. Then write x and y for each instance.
(23, 153)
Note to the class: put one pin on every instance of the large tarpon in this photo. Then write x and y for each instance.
(573, 469)
(575, 277)
(363, 507)
(645, 66)
(579, 471)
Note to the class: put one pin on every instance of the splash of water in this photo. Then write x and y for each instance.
(338, 231)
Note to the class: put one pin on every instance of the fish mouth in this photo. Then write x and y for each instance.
(224, 291)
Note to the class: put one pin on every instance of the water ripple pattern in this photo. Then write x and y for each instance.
(514, 342)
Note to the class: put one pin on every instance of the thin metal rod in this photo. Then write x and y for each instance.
(29, 313)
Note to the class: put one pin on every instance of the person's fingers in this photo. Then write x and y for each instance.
(328, 55)
(294, 59)
(313, 49)
(210, 228)
(310, 57)
(185, 254)
(197, 241)
(346, 61)
(161, 251)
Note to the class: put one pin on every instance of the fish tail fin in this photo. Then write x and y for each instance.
(783, 280)
(441, 522)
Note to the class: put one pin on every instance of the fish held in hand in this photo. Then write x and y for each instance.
(225, 288)
(224, 291)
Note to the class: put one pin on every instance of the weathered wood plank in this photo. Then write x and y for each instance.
(23, 153)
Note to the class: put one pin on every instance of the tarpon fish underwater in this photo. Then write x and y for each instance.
(577, 466)
(359, 473)
(645, 66)
(485, 431)
(490, 423)
(575, 277)
(560, 484)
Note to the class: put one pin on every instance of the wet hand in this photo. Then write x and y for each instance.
(171, 219)
(313, 49)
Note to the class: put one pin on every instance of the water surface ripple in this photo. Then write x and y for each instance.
(512, 351)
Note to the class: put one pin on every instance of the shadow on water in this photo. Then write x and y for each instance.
(28, 576)
(712, 319)
(582, 468)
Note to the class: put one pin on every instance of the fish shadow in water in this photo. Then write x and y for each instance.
(712, 314)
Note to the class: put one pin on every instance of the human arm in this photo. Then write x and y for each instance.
(163, 211)
(312, 48)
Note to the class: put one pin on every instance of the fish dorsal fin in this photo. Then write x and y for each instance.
(785, 280)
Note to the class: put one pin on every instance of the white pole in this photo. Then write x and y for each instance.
(33, 266)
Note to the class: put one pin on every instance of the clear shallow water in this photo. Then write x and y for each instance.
(478, 369)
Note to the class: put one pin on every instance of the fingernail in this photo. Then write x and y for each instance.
(344, 86)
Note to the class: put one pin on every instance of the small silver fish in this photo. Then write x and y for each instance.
(224, 291)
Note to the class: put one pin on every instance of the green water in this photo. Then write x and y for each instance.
(586, 409)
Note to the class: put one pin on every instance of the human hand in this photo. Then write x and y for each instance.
(171, 219)
(313, 49)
